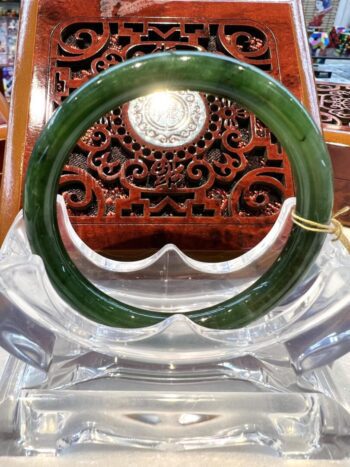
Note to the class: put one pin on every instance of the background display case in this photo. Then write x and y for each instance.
(9, 23)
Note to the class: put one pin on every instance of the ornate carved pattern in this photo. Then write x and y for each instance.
(231, 168)
(334, 100)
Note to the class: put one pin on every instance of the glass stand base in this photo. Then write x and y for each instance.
(251, 404)
(275, 386)
(305, 425)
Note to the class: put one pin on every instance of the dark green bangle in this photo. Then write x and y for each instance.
(220, 75)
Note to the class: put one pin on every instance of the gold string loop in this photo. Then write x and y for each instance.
(335, 227)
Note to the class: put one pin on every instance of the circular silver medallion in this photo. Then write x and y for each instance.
(168, 119)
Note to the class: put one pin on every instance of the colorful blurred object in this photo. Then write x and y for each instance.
(323, 6)
(344, 42)
(7, 78)
(319, 40)
(340, 29)
(316, 21)
(333, 38)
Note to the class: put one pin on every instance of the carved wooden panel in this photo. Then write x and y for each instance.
(229, 169)
(334, 100)
(207, 193)
(341, 171)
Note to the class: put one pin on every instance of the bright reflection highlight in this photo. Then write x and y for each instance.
(168, 118)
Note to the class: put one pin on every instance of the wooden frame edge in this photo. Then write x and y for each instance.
(10, 192)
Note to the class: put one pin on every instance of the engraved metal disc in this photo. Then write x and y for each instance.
(168, 119)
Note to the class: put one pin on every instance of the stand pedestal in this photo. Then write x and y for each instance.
(247, 404)
(272, 387)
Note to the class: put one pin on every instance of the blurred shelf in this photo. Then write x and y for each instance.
(10, 4)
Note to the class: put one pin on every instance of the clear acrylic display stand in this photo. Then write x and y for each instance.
(269, 387)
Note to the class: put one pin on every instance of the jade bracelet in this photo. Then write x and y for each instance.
(204, 72)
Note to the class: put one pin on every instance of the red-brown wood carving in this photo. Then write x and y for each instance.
(233, 171)
(221, 190)
(334, 100)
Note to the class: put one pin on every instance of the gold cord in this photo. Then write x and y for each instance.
(335, 227)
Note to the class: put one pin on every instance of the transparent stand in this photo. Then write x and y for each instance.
(271, 387)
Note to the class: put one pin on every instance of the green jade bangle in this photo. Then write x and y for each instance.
(204, 72)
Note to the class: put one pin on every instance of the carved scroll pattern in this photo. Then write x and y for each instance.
(233, 169)
(334, 100)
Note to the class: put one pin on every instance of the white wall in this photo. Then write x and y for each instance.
(343, 14)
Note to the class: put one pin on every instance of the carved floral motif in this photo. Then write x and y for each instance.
(334, 100)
